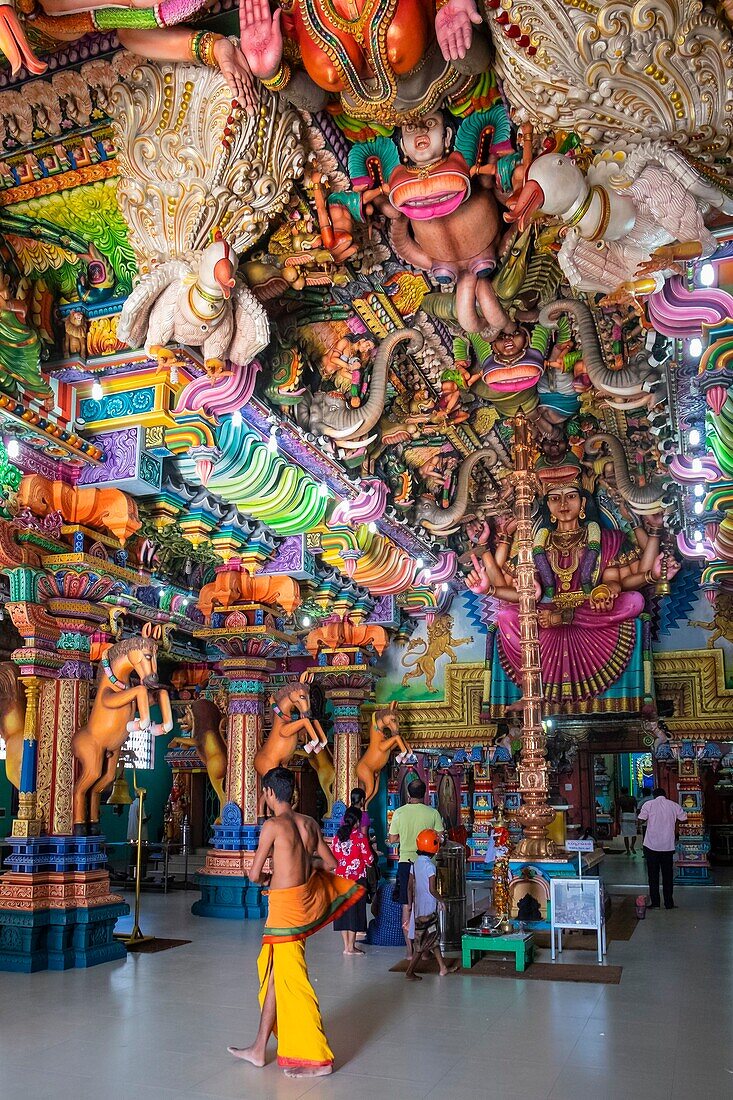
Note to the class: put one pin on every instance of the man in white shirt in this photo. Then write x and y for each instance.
(661, 815)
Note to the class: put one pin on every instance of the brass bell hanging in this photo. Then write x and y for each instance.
(662, 586)
(120, 795)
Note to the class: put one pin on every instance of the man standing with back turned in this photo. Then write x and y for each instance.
(302, 899)
(661, 815)
(407, 822)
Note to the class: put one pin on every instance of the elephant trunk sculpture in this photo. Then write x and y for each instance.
(642, 498)
(441, 521)
(630, 381)
(328, 414)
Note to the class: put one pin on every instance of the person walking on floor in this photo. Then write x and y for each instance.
(407, 822)
(661, 815)
(353, 854)
(626, 815)
(424, 904)
(303, 898)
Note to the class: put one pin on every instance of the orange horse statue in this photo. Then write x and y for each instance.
(12, 720)
(292, 723)
(384, 735)
(118, 709)
(206, 725)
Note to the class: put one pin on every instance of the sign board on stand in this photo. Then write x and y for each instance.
(576, 903)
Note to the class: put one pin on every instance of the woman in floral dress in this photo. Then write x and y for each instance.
(353, 855)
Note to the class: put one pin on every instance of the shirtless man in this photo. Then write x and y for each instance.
(302, 899)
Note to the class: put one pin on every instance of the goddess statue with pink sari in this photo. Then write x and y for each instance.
(588, 589)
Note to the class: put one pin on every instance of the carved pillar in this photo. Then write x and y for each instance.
(65, 701)
(535, 814)
(225, 887)
(28, 822)
(346, 691)
(245, 715)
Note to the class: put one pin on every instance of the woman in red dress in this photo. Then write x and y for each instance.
(353, 855)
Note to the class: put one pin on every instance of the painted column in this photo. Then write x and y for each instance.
(346, 692)
(225, 887)
(245, 716)
(28, 823)
(65, 701)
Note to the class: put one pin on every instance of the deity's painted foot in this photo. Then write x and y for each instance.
(80, 828)
(95, 829)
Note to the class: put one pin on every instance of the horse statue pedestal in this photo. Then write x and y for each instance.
(225, 887)
(67, 917)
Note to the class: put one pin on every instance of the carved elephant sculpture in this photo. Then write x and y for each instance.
(646, 499)
(108, 508)
(234, 586)
(628, 387)
(442, 521)
(328, 414)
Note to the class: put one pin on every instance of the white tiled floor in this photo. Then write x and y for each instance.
(157, 1026)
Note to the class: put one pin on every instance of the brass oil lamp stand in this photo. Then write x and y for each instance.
(121, 797)
(535, 813)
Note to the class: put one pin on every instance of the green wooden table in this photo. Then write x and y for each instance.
(520, 943)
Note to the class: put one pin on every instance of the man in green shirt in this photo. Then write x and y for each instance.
(407, 822)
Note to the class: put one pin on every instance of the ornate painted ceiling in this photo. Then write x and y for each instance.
(293, 315)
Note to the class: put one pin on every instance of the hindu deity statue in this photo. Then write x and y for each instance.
(438, 184)
(383, 60)
(508, 368)
(588, 587)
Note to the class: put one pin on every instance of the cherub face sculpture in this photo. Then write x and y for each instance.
(441, 183)
(426, 140)
(513, 366)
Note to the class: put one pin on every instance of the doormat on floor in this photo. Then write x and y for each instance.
(153, 946)
(489, 967)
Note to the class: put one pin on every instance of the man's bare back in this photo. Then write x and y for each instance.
(292, 841)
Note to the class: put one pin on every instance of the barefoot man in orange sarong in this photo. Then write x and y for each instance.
(303, 897)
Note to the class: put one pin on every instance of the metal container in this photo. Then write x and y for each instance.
(450, 884)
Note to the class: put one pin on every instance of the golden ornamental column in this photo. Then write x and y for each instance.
(535, 814)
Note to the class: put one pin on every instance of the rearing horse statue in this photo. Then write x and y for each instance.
(12, 720)
(118, 710)
(203, 720)
(292, 723)
(384, 735)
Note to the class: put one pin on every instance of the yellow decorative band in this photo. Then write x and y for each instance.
(280, 80)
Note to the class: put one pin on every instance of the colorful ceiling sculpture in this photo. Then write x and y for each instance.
(291, 296)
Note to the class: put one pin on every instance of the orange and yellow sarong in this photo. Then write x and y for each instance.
(294, 914)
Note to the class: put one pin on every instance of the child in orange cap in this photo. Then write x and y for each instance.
(423, 899)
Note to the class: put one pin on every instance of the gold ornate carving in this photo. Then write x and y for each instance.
(455, 721)
(621, 72)
(189, 162)
(694, 680)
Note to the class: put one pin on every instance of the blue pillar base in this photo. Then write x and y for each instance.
(60, 913)
(60, 939)
(229, 897)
